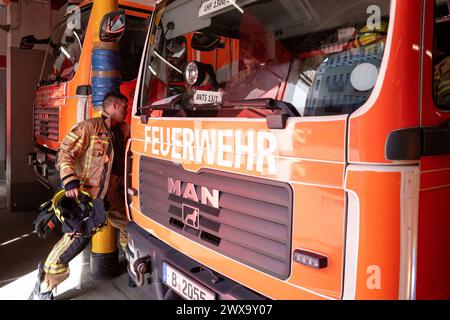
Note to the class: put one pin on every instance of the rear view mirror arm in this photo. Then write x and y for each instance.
(43, 41)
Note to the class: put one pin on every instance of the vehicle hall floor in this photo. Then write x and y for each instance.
(21, 250)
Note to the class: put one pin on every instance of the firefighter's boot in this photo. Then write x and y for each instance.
(37, 294)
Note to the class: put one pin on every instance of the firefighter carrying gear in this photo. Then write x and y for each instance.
(80, 219)
(85, 161)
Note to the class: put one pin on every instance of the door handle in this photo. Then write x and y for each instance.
(84, 90)
(415, 143)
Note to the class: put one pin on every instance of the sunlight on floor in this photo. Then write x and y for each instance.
(15, 239)
(21, 288)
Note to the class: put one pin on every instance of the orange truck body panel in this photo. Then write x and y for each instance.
(302, 166)
(350, 203)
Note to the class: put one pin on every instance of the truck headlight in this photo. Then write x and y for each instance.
(191, 73)
(195, 73)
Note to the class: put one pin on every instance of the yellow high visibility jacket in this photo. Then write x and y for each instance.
(86, 155)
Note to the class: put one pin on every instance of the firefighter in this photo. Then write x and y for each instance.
(91, 159)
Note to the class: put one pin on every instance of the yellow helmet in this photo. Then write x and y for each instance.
(83, 216)
(57, 203)
(368, 36)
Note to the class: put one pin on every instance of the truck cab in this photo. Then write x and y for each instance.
(290, 151)
(64, 92)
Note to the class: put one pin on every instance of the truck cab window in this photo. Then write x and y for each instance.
(64, 50)
(441, 55)
(331, 49)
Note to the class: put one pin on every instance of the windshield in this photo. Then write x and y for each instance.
(64, 49)
(323, 57)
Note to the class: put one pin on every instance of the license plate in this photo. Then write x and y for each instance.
(40, 157)
(207, 97)
(210, 6)
(184, 286)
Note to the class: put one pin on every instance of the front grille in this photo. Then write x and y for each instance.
(46, 122)
(252, 224)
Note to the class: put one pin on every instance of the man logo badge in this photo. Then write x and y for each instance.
(191, 216)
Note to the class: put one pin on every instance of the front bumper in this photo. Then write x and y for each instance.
(44, 168)
(143, 246)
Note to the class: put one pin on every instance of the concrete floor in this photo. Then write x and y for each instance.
(21, 250)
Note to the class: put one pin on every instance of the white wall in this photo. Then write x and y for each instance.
(35, 18)
(30, 17)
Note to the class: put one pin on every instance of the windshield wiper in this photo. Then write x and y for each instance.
(274, 121)
(181, 102)
(169, 103)
(56, 80)
(173, 103)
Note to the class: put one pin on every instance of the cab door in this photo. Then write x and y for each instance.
(381, 183)
(433, 279)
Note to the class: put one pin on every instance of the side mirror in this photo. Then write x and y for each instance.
(112, 26)
(205, 42)
(27, 42)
